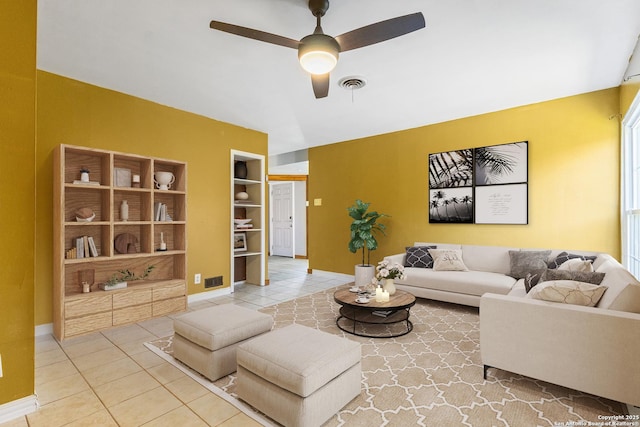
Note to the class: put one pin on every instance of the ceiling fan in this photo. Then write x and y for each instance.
(318, 52)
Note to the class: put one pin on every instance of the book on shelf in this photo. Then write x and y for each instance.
(85, 247)
(80, 247)
(85, 242)
(156, 211)
(160, 212)
(93, 250)
(78, 182)
(382, 313)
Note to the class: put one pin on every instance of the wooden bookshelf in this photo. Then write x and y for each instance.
(111, 181)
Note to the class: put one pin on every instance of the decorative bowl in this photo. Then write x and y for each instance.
(240, 221)
(242, 195)
(89, 219)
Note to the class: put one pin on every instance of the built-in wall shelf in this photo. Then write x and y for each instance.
(247, 244)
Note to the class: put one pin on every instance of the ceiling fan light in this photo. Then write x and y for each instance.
(318, 53)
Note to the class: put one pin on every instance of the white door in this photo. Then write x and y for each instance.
(282, 219)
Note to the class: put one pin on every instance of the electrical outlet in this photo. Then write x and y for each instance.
(197, 279)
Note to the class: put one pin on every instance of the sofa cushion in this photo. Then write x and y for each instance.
(532, 278)
(419, 257)
(562, 257)
(627, 300)
(464, 282)
(568, 292)
(447, 260)
(487, 258)
(523, 262)
(616, 279)
(594, 278)
(439, 245)
(577, 264)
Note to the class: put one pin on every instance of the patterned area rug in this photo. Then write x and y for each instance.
(433, 375)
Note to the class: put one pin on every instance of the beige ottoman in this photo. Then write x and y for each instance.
(206, 340)
(297, 375)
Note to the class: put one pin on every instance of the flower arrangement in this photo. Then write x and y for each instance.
(388, 270)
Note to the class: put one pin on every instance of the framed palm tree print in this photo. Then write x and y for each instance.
(485, 185)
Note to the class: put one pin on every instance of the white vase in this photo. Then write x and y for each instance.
(364, 274)
(389, 286)
(124, 211)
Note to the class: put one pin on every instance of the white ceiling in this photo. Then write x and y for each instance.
(473, 57)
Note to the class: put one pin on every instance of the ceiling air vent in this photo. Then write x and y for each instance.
(352, 82)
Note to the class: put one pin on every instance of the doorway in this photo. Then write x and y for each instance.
(282, 220)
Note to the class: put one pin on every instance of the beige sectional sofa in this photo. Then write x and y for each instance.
(591, 349)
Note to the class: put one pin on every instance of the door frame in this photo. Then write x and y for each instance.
(280, 178)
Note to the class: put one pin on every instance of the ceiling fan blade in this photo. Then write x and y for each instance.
(320, 84)
(254, 34)
(380, 31)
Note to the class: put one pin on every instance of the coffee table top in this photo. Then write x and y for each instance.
(397, 301)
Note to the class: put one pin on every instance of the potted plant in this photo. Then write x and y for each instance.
(364, 228)
(119, 280)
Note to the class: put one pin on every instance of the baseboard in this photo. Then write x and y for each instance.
(209, 294)
(18, 408)
(45, 329)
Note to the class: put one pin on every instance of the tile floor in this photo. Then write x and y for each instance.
(112, 379)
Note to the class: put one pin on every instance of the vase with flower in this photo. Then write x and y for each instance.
(386, 272)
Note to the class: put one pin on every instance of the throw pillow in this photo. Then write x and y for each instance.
(532, 278)
(565, 256)
(568, 292)
(628, 300)
(419, 256)
(579, 276)
(577, 264)
(523, 262)
(448, 260)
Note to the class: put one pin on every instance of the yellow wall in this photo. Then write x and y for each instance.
(17, 207)
(76, 113)
(573, 181)
(628, 91)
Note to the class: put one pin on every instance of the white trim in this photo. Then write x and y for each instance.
(18, 408)
(629, 133)
(207, 295)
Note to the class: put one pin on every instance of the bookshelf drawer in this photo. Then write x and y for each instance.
(160, 308)
(86, 324)
(169, 291)
(131, 314)
(131, 297)
(87, 305)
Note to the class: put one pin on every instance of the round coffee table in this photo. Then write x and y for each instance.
(374, 319)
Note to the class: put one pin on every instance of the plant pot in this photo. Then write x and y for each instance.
(113, 287)
(364, 274)
(389, 286)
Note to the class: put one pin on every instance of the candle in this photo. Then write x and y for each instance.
(385, 296)
(378, 294)
(163, 245)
